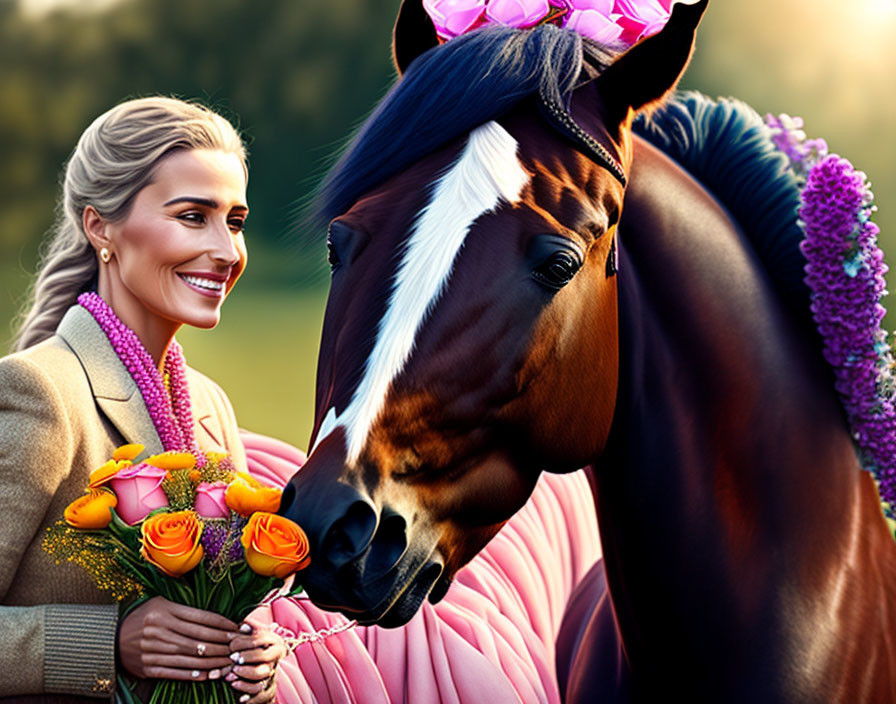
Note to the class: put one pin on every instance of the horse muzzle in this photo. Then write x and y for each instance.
(363, 561)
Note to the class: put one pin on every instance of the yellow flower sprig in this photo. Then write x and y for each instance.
(180, 488)
(94, 553)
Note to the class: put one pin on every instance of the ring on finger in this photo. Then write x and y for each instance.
(200, 649)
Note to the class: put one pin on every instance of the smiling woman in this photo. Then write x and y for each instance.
(180, 250)
(150, 239)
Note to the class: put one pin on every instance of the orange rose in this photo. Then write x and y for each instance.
(128, 452)
(91, 511)
(105, 472)
(246, 495)
(274, 545)
(171, 541)
(172, 460)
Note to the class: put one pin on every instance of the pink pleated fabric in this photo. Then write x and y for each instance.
(489, 641)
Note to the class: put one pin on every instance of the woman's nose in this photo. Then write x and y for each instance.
(224, 250)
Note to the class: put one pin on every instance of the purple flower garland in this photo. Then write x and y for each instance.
(846, 275)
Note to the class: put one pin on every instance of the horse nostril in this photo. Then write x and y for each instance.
(350, 535)
(389, 543)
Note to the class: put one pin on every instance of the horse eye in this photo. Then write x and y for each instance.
(558, 269)
(342, 242)
(332, 257)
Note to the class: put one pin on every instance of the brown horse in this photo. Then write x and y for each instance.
(488, 320)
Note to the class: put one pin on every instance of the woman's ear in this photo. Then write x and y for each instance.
(414, 34)
(95, 228)
(650, 70)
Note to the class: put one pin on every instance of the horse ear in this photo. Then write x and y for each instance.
(648, 71)
(414, 34)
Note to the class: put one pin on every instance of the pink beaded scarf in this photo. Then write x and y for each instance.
(168, 403)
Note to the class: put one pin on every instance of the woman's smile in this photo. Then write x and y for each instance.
(206, 284)
(180, 249)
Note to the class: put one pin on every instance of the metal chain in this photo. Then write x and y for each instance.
(293, 641)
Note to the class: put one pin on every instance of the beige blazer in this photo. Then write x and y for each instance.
(65, 405)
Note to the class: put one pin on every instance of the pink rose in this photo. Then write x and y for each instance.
(210, 500)
(139, 491)
(594, 25)
(645, 11)
(644, 18)
(605, 7)
(453, 17)
(517, 13)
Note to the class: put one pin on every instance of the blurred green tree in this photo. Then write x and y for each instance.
(296, 76)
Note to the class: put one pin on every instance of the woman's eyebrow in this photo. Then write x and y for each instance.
(207, 202)
(193, 199)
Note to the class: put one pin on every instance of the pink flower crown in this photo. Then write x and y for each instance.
(605, 21)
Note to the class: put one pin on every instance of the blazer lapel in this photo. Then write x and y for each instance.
(115, 391)
(212, 428)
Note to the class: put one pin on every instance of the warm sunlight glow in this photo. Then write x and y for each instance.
(36, 8)
(881, 9)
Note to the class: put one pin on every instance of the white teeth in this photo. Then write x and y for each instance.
(203, 283)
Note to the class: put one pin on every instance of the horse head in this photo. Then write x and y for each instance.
(470, 337)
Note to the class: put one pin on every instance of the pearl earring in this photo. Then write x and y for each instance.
(105, 255)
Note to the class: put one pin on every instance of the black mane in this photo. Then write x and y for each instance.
(727, 147)
(449, 91)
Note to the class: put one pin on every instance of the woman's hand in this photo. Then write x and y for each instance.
(165, 640)
(255, 657)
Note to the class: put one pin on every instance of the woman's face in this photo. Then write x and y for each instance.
(180, 249)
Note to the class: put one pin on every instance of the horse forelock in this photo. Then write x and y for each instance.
(449, 91)
(486, 174)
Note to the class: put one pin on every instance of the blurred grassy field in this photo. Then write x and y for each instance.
(264, 356)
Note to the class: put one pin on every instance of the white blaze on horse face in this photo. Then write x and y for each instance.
(486, 173)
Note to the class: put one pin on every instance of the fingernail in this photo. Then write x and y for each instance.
(246, 628)
(242, 660)
(244, 698)
(235, 657)
(214, 674)
(195, 674)
(231, 677)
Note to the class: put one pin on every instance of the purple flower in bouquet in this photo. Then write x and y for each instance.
(221, 540)
(214, 535)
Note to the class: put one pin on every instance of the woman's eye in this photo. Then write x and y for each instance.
(236, 225)
(193, 218)
(558, 269)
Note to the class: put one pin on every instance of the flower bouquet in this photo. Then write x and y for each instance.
(186, 527)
